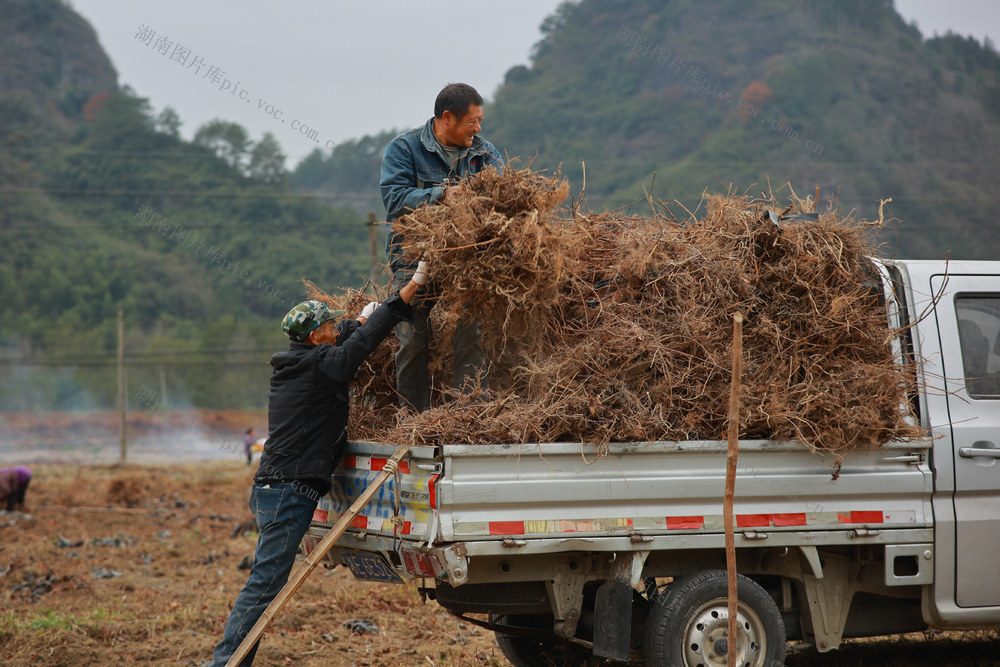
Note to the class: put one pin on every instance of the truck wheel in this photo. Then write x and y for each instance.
(530, 652)
(689, 624)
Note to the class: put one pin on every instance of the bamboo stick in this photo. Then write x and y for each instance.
(732, 454)
(298, 577)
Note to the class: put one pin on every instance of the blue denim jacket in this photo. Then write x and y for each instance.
(414, 173)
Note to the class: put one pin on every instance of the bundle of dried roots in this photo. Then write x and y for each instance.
(607, 327)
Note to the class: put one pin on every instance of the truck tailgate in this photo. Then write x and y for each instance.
(409, 495)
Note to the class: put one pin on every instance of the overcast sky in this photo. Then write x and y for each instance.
(343, 68)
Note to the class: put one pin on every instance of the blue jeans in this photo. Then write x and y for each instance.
(283, 513)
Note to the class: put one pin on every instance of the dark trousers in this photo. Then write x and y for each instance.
(16, 498)
(412, 379)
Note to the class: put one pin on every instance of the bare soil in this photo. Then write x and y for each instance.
(139, 563)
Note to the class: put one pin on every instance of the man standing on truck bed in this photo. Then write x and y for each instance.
(307, 431)
(417, 168)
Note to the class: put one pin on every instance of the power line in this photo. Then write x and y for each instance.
(589, 160)
(136, 356)
(151, 363)
(303, 226)
(14, 189)
(332, 196)
(202, 155)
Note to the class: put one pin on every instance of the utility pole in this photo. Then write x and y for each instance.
(163, 389)
(122, 407)
(372, 252)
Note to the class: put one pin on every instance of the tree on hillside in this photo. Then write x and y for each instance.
(94, 104)
(228, 141)
(267, 162)
(120, 119)
(169, 123)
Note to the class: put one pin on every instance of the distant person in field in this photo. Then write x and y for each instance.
(307, 432)
(248, 442)
(13, 485)
(423, 166)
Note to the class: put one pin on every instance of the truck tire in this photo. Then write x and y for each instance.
(688, 624)
(516, 597)
(530, 652)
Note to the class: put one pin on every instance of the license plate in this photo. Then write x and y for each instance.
(368, 566)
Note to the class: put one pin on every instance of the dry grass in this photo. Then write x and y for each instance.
(178, 565)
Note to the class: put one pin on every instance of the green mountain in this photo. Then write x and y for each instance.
(841, 95)
(104, 208)
(202, 243)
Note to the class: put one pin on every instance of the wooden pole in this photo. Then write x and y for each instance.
(372, 251)
(732, 454)
(122, 400)
(298, 577)
(163, 389)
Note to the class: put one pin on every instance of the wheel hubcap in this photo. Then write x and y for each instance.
(707, 637)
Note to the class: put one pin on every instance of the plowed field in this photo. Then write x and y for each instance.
(139, 563)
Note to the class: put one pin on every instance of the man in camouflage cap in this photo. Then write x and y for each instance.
(307, 317)
(307, 431)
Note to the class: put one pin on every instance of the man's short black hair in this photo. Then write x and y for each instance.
(456, 98)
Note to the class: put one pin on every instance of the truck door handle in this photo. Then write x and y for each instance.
(969, 452)
(905, 458)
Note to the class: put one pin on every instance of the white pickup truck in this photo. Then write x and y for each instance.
(578, 559)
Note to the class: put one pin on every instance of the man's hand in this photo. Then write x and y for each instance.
(420, 275)
(451, 192)
(418, 280)
(367, 311)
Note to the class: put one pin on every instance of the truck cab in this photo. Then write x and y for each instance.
(956, 334)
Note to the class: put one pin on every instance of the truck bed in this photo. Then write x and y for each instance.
(557, 496)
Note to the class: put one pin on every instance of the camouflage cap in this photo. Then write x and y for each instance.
(305, 317)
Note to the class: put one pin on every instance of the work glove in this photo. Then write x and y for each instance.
(367, 311)
(420, 275)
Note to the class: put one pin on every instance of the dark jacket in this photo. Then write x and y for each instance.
(414, 172)
(308, 406)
